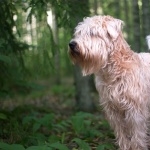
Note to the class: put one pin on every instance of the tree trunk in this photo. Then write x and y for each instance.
(82, 86)
(54, 27)
(126, 9)
(145, 21)
(117, 10)
(136, 26)
(83, 91)
(95, 7)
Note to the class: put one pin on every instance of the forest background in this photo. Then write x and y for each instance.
(45, 102)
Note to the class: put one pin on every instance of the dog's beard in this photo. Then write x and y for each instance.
(90, 60)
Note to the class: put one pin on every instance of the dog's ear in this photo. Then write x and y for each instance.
(114, 27)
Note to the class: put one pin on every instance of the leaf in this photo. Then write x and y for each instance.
(39, 148)
(105, 147)
(5, 146)
(27, 119)
(59, 146)
(40, 138)
(3, 116)
(82, 144)
(36, 126)
(17, 146)
(78, 124)
(53, 138)
(101, 147)
(47, 119)
(81, 122)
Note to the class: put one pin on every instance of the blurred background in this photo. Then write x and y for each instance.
(45, 102)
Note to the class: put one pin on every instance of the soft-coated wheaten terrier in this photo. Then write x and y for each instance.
(122, 77)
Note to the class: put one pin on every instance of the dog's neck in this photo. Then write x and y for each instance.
(120, 61)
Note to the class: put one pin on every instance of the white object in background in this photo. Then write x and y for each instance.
(148, 41)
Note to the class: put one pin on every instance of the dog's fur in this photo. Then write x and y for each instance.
(122, 77)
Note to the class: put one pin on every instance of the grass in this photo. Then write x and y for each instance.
(47, 120)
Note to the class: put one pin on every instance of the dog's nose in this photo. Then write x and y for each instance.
(72, 45)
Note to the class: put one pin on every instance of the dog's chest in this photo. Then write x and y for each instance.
(126, 92)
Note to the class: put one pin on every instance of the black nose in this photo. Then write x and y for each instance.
(72, 45)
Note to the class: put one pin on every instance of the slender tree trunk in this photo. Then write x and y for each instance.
(95, 7)
(57, 53)
(127, 20)
(117, 10)
(136, 28)
(145, 21)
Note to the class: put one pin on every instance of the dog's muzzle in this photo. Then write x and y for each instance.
(73, 47)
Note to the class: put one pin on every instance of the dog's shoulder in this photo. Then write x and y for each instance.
(145, 58)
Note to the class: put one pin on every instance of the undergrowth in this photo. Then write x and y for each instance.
(29, 128)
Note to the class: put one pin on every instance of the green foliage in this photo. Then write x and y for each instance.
(29, 128)
(58, 146)
(64, 91)
(82, 145)
(11, 62)
(3, 116)
(82, 124)
(107, 146)
(21, 62)
(4, 146)
(43, 147)
(38, 129)
(37, 122)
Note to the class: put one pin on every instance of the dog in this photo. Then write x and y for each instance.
(122, 78)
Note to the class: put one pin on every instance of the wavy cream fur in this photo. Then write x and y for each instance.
(122, 78)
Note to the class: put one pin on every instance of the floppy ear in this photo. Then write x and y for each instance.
(114, 27)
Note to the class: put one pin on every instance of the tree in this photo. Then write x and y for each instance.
(55, 32)
(136, 26)
(11, 60)
(83, 96)
(145, 20)
(95, 6)
(127, 19)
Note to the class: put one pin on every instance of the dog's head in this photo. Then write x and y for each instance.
(93, 41)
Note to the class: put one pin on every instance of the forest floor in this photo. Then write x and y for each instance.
(46, 119)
